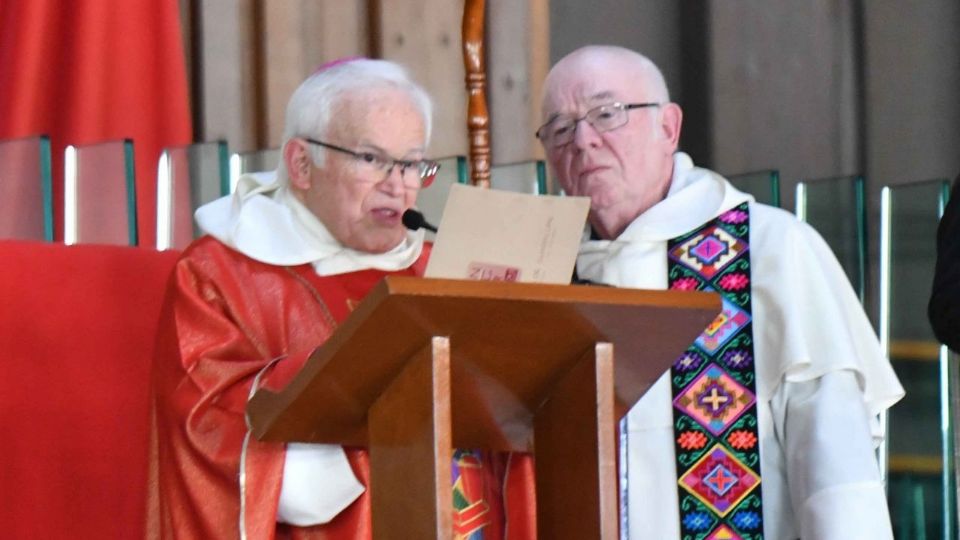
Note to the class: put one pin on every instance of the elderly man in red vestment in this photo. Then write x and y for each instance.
(282, 263)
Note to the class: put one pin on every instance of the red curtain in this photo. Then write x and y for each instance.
(86, 71)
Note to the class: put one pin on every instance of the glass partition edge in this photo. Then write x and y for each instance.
(775, 187)
(945, 442)
(164, 202)
(70, 195)
(46, 179)
(223, 157)
(131, 191)
(885, 247)
(801, 202)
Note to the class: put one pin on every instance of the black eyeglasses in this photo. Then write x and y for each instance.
(376, 162)
(561, 129)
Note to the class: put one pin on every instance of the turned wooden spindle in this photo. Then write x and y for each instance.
(478, 118)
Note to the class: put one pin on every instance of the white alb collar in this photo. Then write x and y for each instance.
(695, 196)
(267, 223)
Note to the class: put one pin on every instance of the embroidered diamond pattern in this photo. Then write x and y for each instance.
(723, 533)
(714, 399)
(724, 327)
(720, 481)
(688, 361)
(708, 251)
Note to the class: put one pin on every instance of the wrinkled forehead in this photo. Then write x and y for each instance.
(574, 88)
(362, 111)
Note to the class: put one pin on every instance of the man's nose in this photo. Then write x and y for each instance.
(393, 182)
(586, 136)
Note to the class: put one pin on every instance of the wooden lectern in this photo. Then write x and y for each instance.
(423, 366)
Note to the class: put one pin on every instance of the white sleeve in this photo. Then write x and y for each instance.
(832, 473)
(318, 483)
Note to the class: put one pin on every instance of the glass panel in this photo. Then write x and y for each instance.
(921, 480)
(835, 208)
(100, 197)
(188, 177)
(25, 189)
(522, 177)
(252, 162)
(431, 200)
(763, 185)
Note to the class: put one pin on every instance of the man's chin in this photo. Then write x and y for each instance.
(609, 222)
(602, 201)
(376, 243)
(390, 243)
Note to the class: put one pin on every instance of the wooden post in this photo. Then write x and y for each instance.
(574, 437)
(411, 450)
(478, 118)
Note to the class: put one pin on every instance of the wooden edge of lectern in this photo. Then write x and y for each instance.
(423, 366)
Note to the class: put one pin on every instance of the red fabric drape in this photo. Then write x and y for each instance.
(86, 71)
(77, 326)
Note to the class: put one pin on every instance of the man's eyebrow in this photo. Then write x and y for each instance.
(552, 117)
(605, 95)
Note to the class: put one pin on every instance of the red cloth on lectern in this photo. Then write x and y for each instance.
(87, 71)
(226, 317)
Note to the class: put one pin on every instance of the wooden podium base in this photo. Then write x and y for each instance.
(575, 456)
(411, 452)
(519, 368)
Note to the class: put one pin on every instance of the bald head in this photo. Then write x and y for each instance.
(601, 62)
(610, 131)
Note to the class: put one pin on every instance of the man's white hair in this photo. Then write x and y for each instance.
(312, 105)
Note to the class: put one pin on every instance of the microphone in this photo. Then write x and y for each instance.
(414, 220)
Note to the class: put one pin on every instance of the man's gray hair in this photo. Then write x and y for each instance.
(311, 106)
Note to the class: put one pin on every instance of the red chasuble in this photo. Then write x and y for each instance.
(226, 317)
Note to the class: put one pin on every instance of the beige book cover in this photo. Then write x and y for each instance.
(490, 234)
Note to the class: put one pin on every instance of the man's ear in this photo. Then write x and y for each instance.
(297, 159)
(671, 119)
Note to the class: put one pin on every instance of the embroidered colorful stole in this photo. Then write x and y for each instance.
(471, 513)
(714, 387)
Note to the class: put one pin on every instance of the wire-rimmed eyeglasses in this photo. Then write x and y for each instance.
(560, 130)
(379, 162)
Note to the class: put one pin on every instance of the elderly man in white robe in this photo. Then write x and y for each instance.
(814, 378)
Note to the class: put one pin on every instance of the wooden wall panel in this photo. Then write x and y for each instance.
(912, 90)
(424, 35)
(299, 36)
(249, 56)
(187, 31)
(226, 95)
(518, 58)
(784, 89)
(650, 27)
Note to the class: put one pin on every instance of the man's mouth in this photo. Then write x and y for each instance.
(386, 215)
(591, 170)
